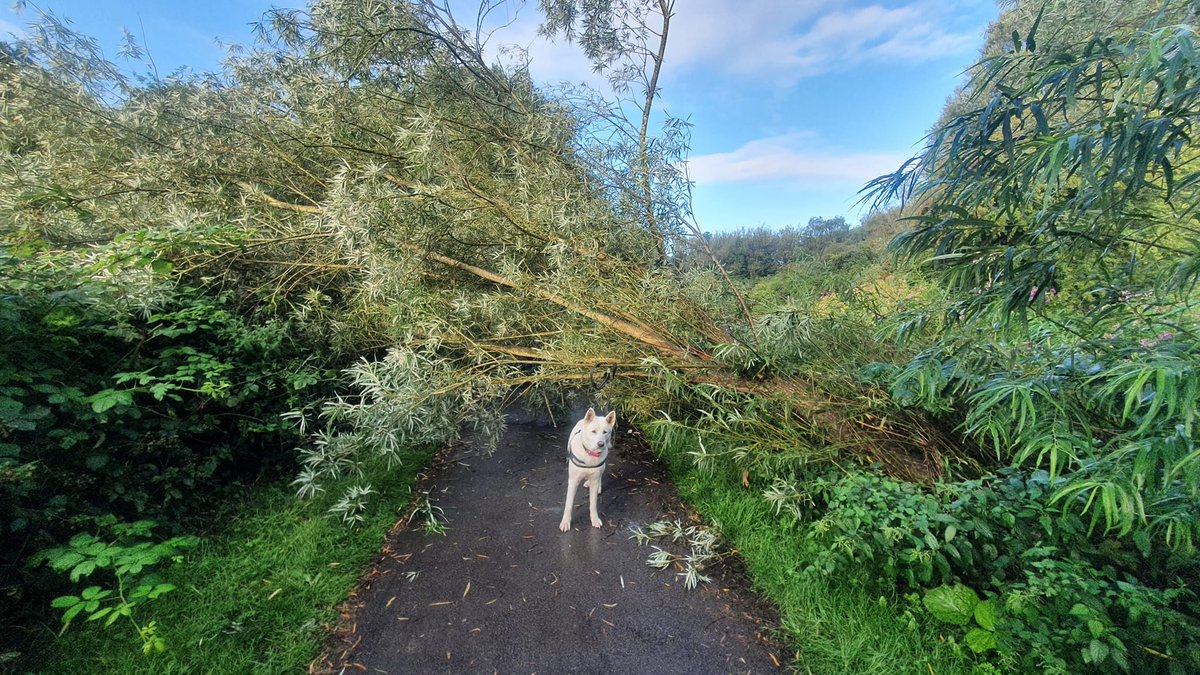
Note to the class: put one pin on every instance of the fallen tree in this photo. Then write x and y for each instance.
(368, 174)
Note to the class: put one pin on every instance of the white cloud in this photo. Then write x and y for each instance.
(718, 32)
(765, 39)
(786, 158)
(877, 34)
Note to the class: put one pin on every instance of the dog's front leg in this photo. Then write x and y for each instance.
(594, 494)
(572, 482)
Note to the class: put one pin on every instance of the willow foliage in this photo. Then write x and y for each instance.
(363, 171)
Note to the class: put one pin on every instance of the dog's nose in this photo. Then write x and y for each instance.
(599, 444)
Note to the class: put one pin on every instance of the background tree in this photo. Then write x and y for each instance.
(627, 39)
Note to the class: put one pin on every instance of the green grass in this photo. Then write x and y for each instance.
(254, 598)
(835, 625)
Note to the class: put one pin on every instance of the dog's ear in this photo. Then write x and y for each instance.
(591, 415)
(611, 418)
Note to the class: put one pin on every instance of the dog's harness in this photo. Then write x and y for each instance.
(575, 460)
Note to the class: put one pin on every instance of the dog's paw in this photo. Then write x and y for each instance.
(564, 526)
(596, 522)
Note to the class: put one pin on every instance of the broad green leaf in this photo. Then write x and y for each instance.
(95, 548)
(64, 561)
(1096, 652)
(108, 398)
(954, 605)
(72, 612)
(985, 615)
(1081, 610)
(83, 569)
(64, 601)
(83, 539)
(981, 641)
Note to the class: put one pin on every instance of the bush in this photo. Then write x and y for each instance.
(1065, 601)
(127, 395)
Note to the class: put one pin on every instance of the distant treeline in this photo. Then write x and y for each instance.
(754, 252)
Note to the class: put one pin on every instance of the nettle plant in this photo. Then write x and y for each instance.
(958, 605)
(121, 570)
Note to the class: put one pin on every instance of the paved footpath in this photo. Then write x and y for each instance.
(505, 592)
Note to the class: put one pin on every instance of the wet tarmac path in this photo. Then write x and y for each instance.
(503, 591)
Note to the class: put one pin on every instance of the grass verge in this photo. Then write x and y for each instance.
(257, 596)
(834, 625)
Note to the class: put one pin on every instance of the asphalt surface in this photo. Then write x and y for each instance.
(503, 591)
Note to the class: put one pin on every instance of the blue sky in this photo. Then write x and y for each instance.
(795, 103)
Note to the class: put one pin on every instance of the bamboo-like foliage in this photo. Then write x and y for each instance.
(1061, 212)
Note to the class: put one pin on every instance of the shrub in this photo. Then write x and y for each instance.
(123, 393)
(1064, 601)
(130, 555)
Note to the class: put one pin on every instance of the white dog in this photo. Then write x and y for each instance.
(587, 452)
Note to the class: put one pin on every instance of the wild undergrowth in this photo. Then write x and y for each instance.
(260, 591)
(1058, 597)
(835, 624)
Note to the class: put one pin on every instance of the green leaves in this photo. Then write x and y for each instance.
(18, 416)
(1030, 44)
(88, 601)
(1057, 212)
(981, 641)
(128, 557)
(161, 266)
(985, 615)
(106, 399)
(954, 605)
(957, 605)
(64, 384)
